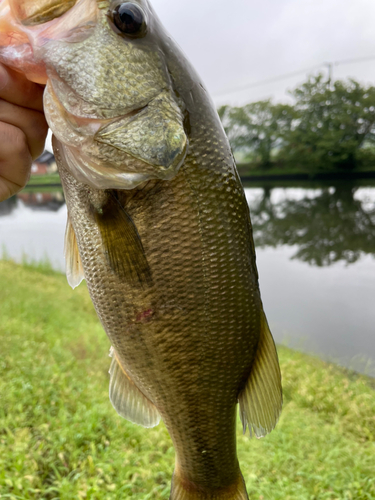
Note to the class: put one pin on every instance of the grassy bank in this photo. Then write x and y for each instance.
(61, 439)
(250, 174)
(252, 171)
(44, 180)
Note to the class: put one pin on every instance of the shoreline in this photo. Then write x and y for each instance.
(323, 176)
(257, 177)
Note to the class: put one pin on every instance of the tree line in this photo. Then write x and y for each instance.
(329, 126)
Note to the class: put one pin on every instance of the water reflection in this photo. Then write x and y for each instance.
(7, 206)
(50, 201)
(326, 225)
(32, 227)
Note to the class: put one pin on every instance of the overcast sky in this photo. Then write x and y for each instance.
(236, 42)
(233, 43)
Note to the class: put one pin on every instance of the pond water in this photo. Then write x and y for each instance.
(315, 255)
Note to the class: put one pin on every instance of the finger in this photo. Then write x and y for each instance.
(32, 123)
(15, 88)
(15, 160)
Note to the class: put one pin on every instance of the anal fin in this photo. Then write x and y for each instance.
(129, 402)
(73, 263)
(261, 400)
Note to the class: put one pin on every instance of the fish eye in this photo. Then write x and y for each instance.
(130, 20)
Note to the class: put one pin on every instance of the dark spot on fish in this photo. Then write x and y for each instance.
(145, 316)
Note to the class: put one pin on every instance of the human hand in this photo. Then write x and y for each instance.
(23, 129)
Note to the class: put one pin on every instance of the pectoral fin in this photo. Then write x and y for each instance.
(127, 399)
(122, 243)
(73, 263)
(261, 399)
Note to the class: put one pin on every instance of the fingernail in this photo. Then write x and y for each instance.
(4, 77)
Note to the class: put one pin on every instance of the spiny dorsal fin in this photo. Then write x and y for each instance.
(122, 243)
(127, 399)
(261, 399)
(73, 263)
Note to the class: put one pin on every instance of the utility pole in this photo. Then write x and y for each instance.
(330, 74)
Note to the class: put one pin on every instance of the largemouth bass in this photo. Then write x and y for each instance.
(159, 227)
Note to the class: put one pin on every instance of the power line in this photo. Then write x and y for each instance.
(346, 61)
(268, 80)
(357, 59)
(290, 75)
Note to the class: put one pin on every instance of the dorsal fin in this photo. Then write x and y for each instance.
(73, 263)
(127, 399)
(122, 243)
(261, 399)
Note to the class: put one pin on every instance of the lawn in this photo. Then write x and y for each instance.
(247, 171)
(61, 439)
(47, 179)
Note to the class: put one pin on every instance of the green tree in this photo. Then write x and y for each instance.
(333, 125)
(257, 128)
(329, 126)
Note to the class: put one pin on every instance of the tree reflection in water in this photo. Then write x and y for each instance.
(7, 206)
(333, 226)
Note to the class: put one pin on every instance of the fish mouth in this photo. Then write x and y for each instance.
(81, 123)
(81, 109)
(93, 174)
(94, 126)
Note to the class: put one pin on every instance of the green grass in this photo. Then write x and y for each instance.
(249, 170)
(245, 170)
(61, 439)
(46, 179)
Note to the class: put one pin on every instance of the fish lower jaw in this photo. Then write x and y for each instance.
(78, 115)
(95, 175)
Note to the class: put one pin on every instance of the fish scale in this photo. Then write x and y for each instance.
(167, 250)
